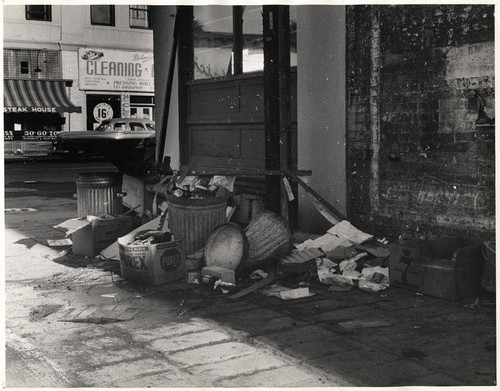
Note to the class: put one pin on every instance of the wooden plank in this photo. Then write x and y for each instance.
(259, 284)
(311, 191)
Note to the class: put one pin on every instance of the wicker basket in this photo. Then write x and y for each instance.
(269, 238)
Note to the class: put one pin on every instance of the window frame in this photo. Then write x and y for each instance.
(111, 15)
(47, 14)
(146, 10)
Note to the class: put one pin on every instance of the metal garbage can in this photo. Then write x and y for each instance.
(192, 220)
(99, 194)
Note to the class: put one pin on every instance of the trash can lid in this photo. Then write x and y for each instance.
(226, 247)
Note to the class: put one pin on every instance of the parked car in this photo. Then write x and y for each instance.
(125, 142)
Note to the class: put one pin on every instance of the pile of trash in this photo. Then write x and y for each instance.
(343, 258)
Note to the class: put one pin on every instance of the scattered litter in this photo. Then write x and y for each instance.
(19, 210)
(287, 293)
(304, 283)
(351, 274)
(30, 182)
(326, 242)
(416, 326)
(419, 294)
(298, 293)
(362, 324)
(348, 265)
(225, 275)
(374, 279)
(254, 287)
(59, 242)
(193, 277)
(346, 230)
(376, 251)
(224, 287)
(112, 295)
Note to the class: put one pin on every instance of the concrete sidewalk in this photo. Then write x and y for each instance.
(188, 335)
(50, 344)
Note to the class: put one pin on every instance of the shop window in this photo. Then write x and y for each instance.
(103, 15)
(25, 67)
(39, 12)
(229, 40)
(139, 16)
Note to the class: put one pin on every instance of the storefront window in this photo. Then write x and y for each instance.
(253, 42)
(213, 41)
(229, 40)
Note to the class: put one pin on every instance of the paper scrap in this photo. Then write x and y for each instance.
(347, 231)
(59, 242)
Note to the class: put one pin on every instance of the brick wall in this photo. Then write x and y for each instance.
(418, 164)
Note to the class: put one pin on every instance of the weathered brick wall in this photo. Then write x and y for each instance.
(434, 174)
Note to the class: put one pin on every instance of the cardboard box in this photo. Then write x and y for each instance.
(405, 264)
(151, 264)
(448, 268)
(91, 234)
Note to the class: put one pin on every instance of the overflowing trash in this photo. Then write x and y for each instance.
(194, 187)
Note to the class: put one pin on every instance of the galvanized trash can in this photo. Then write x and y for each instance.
(192, 220)
(99, 194)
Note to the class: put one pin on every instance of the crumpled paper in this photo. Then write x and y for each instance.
(374, 279)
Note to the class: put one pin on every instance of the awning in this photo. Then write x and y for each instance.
(37, 96)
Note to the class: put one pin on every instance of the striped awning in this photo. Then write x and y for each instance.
(37, 96)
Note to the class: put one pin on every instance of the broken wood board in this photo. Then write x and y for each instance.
(259, 284)
(363, 324)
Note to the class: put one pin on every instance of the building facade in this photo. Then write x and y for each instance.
(68, 67)
(391, 108)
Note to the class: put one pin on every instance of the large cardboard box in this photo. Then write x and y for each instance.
(91, 234)
(151, 264)
(448, 268)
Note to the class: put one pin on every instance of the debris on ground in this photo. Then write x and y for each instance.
(59, 242)
(287, 293)
(223, 274)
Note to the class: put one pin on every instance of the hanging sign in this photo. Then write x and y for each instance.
(115, 70)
